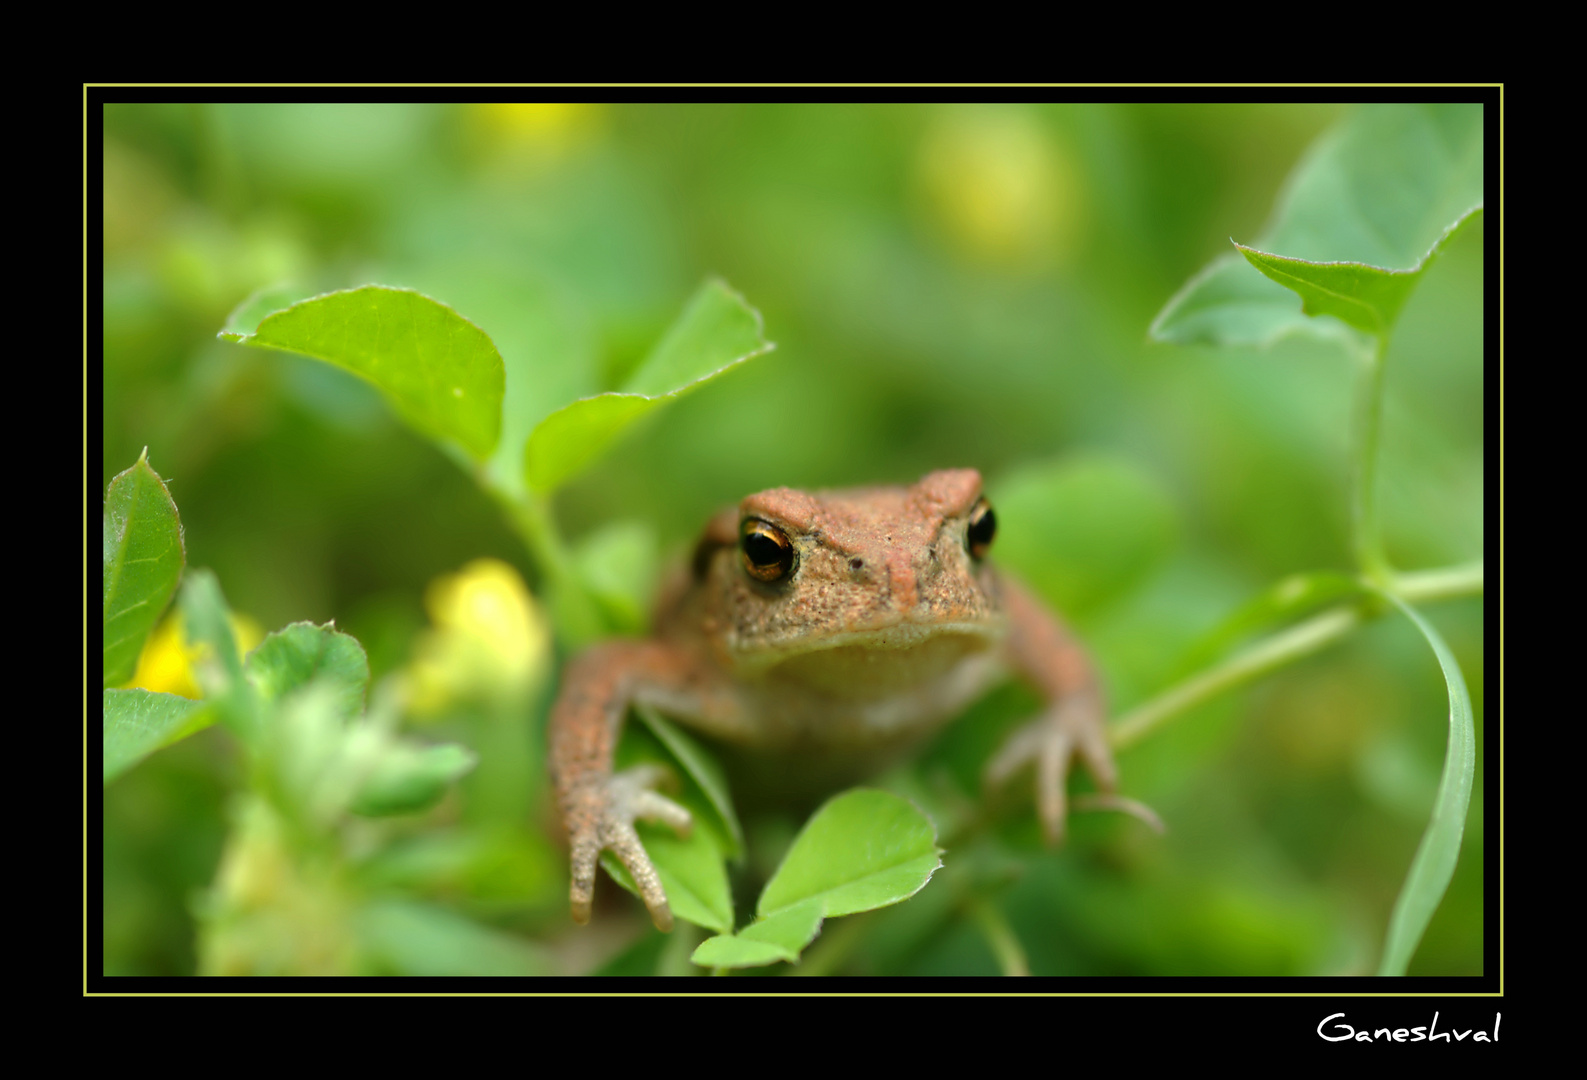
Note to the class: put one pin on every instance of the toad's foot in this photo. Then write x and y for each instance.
(602, 816)
(1070, 726)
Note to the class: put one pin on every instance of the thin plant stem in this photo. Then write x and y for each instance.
(1299, 640)
(1440, 584)
(575, 616)
(531, 519)
(1367, 538)
(999, 936)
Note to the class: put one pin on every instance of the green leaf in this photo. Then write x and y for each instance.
(144, 557)
(705, 771)
(139, 722)
(297, 654)
(1082, 532)
(716, 332)
(246, 316)
(1366, 297)
(439, 371)
(1362, 296)
(408, 778)
(574, 436)
(782, 936)
(1383, 189)
(696, 863)
(205, 622)
(313, 766)
(218, 669)
(691, 871)
(319, 765)
(717, 329)
(863, 849)
(1434, 863)
(731, 951)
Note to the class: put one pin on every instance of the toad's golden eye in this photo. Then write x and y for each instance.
(983, 526)
(768, 553)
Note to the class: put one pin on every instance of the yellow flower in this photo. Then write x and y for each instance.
(489, 640)
(538, 131)
(998, 185)
(166, 663)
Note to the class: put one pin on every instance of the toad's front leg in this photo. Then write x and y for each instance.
(598, 807)
(1046, 654)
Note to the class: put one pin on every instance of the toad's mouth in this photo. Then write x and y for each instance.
(898, 651)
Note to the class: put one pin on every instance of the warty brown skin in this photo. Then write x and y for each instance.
(883, 626)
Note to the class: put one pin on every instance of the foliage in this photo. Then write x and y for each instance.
(143, 562)
(717, 331)
(297, 704)
(861, 851)
(1349, 197)
(1362, 219)
(439, 371)
(559, 322)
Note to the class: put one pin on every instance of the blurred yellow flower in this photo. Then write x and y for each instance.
(999, 187)
(490, 639)
(166, 663)
(542, 129)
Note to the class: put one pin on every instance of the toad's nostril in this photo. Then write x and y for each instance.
(856, 564)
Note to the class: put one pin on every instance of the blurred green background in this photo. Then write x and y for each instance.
(947, 286)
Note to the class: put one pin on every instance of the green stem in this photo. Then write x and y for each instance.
(1367, 539)
(1299, 640)
(1440, 584)
(531, 518)
(577, 620)
(1000, 937)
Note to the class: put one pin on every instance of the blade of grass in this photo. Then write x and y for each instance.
(1434, 863)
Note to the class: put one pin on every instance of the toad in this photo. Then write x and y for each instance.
(824, 632)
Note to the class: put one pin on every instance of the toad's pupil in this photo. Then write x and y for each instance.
(768, 554)
(983, 526)
(762, 549)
